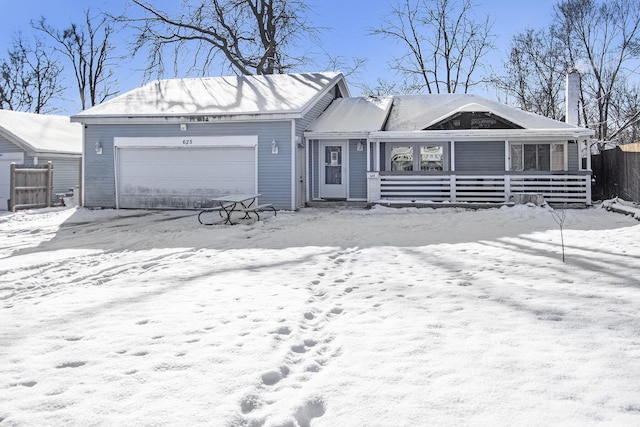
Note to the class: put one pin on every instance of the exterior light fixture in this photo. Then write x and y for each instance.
(98, 147)
(183, 127)
(274, 147)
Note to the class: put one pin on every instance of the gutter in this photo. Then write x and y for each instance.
(481, 134)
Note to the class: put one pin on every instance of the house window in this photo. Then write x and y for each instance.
(415, 157)
(401, 158)
(431, 158)
(536, 157)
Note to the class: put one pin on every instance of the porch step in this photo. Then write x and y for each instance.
(441, 205)
(336, 204)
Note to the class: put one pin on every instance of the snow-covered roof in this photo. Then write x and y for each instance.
(41, 133)
(351, 116)
(258, 95)
(418, 112)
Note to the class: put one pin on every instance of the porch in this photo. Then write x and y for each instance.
(456, 187)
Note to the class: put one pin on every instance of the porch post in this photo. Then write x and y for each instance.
(377, 161)
(452, 162)
(368, 155)
(507, 153)
(373, 187)
(507, 187)
(452, 187)
(307, 171)
(588, 146)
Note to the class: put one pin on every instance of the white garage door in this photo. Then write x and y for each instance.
(168, 177)
(5, 176)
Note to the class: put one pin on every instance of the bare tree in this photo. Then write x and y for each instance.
(247, 36)
(601, 39)
(382, 87)
(535, 73)
(443, 44)
(30, 80)
(89, 49)
(626, 115)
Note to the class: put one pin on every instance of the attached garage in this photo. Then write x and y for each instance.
(182, 173)
(176, 143)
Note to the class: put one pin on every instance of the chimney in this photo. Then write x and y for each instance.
(572, 98)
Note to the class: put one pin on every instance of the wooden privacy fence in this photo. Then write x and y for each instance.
(616, 174)
(31, 186)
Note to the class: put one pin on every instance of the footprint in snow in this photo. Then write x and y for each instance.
(283, 330)
(312, 408)
(250, 403)
(71, 365)
(274, 376)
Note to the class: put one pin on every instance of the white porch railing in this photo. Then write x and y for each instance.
(564, 188)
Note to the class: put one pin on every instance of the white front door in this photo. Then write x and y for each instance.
(333, 169)
(5, 176)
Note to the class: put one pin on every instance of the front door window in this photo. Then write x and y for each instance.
(333, 164)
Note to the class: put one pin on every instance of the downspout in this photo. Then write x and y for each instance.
(82, 168)
(307, 171)
(293, 165)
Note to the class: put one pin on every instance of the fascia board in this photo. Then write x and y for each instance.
(190, 119)
(336, 135)
(337, 80)
(482, 134)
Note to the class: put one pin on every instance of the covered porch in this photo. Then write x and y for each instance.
(452, 187)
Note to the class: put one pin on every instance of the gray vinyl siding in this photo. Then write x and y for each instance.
(357, 170)
(479, 156)
(574, 157)
(66, 173)
(7, 146)
(274, 170)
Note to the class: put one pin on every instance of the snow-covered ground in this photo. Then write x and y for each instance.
(322, 317)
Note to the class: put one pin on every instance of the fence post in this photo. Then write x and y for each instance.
(12, 188)
(49, 183)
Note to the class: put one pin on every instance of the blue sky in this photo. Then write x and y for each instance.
(347, 22)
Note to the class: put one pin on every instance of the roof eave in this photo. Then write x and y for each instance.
(183, 118)
(339, 80)
(482, 134)
(337, 135)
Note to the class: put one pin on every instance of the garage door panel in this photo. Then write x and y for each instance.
(183, 178)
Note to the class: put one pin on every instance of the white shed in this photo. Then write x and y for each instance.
(33, 139)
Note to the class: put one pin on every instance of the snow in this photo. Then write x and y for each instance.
(622, 206)
(321, 317)
(351, 115)
(43, 133)
(416, 112)
(268, 94)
